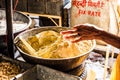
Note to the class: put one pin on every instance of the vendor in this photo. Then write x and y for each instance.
(89, 32)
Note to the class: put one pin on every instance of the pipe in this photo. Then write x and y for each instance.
(9, 28)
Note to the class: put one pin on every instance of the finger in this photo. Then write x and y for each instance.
(80, 38)
(79, 26)
(68, 32)
(76, 40)
(72, 36)
(75, 28)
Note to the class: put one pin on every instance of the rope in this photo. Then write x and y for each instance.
(16, 3)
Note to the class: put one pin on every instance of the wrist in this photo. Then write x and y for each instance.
(99, 34)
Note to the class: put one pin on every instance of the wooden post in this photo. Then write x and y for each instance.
(9, 29)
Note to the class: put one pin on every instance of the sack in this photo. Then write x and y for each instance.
(97, 12)
(90, 11)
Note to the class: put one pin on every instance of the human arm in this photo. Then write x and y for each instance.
(89, 32)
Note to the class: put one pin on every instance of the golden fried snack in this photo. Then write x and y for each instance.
(50, 44)
(8, 70)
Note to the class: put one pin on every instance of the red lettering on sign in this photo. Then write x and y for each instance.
(83, 6)
(94, 13)
(79, 3)
(97, 4)
(81, 12)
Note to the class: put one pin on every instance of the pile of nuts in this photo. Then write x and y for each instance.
(8, 70)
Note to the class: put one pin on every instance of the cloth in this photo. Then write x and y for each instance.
(115, 75)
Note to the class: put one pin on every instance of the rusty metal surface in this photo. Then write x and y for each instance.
(59, 64)
(40, 72)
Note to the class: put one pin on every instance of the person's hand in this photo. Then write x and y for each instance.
(81, 32)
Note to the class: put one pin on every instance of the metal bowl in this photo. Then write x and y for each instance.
(62, 64)
(18, 17)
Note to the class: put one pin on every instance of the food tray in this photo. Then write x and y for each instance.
(40, 72)
(23, 66)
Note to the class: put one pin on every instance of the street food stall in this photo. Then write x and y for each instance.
(40, 52)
